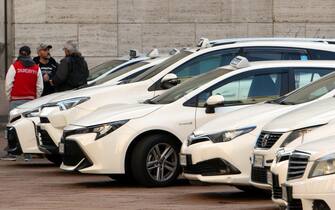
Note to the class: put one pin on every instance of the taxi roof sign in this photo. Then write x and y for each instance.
(240, 62)
(154, 53)
(204, 43)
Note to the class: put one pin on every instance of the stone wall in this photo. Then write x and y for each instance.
(109, 28)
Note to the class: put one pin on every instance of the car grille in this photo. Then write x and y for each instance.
(277, 192)
(267, 140)
(259, 175)
(297, 165)
(73, 154)
(44, 120)
(211, 167)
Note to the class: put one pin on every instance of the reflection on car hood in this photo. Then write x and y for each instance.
(116, 112)
(31, 105)
(319, 148)
(255, 115)
(320, 112)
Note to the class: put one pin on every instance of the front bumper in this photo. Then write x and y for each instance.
(235, 153)
(52, 123)
(279, 171)
(311, 192)
(23, 137)
(103, 156)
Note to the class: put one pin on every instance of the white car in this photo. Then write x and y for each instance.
(288, 128)
(21, 130)
(221, 154)
(143, 140)
(188, 63)
(311, 176)
(280, 163)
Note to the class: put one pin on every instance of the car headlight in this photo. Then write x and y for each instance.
(33, 113)
(101, 130)
(323, 166)
(297, 134)
(226, 136)
(68, 103)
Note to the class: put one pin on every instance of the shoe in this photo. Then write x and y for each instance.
(27, 157)
(8, 158)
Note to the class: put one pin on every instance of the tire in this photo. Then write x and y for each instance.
(151, 149)
(55, 159)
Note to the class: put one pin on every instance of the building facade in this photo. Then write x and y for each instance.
(109, 28)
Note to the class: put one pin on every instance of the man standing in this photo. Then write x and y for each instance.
(48, 67)
(72, 71)
(24, 82)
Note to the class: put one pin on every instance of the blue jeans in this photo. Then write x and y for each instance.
(14, 104)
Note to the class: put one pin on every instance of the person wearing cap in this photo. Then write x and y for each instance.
(24, 82)
(72, 71)
(48, 66)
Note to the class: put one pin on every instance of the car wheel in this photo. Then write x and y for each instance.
(155, 161)
(55, 158)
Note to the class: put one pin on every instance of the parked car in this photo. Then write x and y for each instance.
(21, 130)
(280, 163)
(288, 128)
(221, 154)
(143, 140)
(63, 110)
(311, 176)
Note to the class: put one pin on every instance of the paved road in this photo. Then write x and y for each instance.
(39, 185)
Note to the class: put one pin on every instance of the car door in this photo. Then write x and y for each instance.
(242, 90)
(200, 65)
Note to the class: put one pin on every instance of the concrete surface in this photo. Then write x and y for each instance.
(40, 185)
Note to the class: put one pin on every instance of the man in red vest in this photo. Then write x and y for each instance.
(24, 82)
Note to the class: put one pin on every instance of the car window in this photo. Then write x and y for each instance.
(309, 92)
(247, 90)
(304, 76)
(205, 63)
(99, 70)
(274, 53)
(120, 71)
(190, 85)
(322, 55)
(160, 67)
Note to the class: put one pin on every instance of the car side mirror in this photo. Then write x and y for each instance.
(169, 80)
(213, 102)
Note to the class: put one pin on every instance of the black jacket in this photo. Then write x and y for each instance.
(72, 72)
(50, 68)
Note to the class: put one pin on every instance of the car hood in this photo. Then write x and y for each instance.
(104, 95)
(318, 113)
(34, 104)
(319, 148)
(116, 112)
(255, 115)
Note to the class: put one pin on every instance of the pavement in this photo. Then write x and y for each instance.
(40, 185)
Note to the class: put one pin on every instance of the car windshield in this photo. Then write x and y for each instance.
(103, 68)
(309, 92)
(120, 72)
(157, 69)
(186, 87)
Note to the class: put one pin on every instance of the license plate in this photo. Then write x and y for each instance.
(259, 161)
(61, 148)
(284, 193)
(269, 177)
(183, 160)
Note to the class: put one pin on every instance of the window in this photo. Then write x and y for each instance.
(304, 76)
(247, 90)
(322, 55)
(205, 63)
(99, 70)
(309, 92)
(274, 53)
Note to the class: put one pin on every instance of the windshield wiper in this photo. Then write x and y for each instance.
(286, 103)
(149, 101)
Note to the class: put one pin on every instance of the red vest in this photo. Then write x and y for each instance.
(24, 86)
